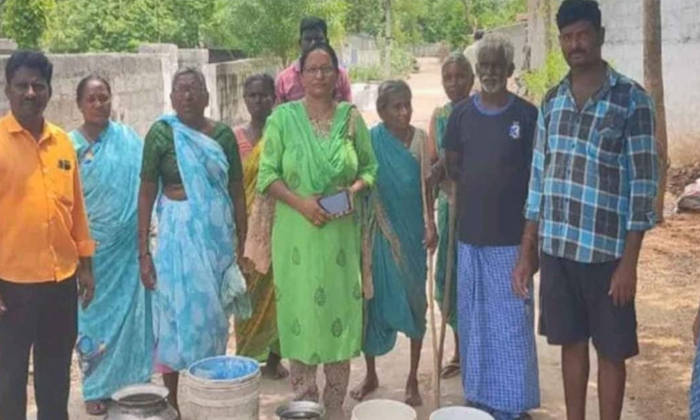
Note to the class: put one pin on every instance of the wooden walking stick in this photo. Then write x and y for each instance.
(431, 290)
(449, 268)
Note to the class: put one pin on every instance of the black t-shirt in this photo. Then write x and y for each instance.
(495, 150)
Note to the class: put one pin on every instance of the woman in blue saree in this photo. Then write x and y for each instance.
(400, 233)
(115, 339)
(192, 167)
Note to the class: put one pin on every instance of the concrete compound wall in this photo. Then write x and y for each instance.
(681, 51)
(136, 82)
(229, 78)
(623, 21)
(141, 84)
(359, 51)
(517, 33)
(428, 50)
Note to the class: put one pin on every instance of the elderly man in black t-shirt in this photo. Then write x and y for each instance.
(489, 143)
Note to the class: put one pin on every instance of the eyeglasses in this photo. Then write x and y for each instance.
(323, 71)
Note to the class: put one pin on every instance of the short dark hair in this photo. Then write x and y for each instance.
(314, 24)
(34, 60)
(80, 90)
(572, 11)
(323, 46)
(263, 78)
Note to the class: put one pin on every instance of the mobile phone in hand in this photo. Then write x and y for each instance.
(337, 204)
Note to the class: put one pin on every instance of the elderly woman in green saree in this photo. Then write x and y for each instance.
(457, 80)
(401, 228)
(312, 148)
(192, 174)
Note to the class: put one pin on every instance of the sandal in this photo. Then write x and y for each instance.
(450, 370)
(96, 407)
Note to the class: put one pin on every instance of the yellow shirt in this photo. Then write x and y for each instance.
(43, 223)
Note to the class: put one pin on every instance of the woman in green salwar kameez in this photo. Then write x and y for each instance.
(457, 80)
(316, 147)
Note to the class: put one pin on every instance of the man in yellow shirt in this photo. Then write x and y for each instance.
(45, 245)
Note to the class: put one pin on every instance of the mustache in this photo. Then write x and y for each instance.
(577, 52)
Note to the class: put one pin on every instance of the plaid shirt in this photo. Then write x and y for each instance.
(594, 170)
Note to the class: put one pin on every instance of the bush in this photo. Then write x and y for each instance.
(402, 62)
(538, 82)
(366, 74)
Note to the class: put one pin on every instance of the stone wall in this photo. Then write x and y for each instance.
(623, 21)
(141, 84)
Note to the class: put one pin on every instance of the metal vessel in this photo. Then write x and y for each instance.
(141, 402)
(301, 410)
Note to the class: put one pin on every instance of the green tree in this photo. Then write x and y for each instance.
(493, 13)
(276, 28)
(406, 17)
(2, 3)
(26, 20)
(445, 21)
(364, 17)
(109, 25)
(190, 19)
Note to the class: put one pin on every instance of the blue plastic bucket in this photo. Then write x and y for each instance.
(224, 387)
(224, 368)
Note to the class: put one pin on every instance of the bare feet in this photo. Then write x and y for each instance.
(368, 385)
(96, 407)
(413, 397)
(275, 371)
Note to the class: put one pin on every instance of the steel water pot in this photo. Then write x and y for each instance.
(141, 402)
(301, 410)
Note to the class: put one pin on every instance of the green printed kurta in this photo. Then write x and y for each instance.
(317, 270)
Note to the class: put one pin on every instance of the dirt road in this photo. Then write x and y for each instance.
(668, 296)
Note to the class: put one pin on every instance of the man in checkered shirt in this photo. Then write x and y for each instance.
(592, 191)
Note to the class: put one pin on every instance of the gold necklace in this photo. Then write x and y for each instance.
(322, 123)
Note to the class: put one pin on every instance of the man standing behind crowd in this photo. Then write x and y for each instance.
(592, 191)
(45, 245)
(289, 86)
(489, 151)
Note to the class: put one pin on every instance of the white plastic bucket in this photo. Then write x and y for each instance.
(224, 388)
(383, 410)
(460, 413)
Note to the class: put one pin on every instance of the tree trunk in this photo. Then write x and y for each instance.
(468, 15)
(387, 38)
(548, 28)
(654, 82)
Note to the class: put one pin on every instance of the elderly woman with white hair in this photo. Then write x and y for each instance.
(488, 143)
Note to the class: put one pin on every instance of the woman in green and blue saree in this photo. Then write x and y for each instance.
(457, 80)
(402, 229)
